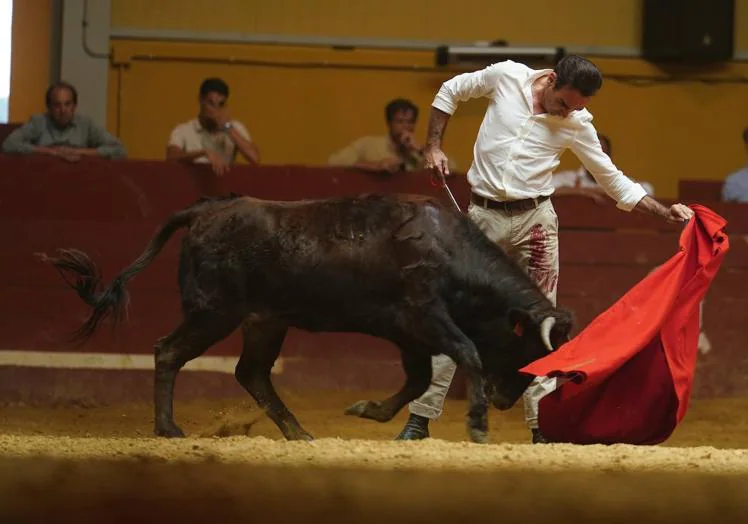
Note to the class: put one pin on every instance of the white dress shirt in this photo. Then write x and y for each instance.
(516, 151)
(191, 136)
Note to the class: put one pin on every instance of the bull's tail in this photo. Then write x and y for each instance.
(112, 300)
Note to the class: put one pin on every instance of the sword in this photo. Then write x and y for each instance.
(436, 183)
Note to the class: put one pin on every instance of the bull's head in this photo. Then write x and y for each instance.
(533, 336)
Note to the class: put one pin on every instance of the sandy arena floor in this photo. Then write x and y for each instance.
(98, 464)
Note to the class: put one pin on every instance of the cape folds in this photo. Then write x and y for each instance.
(627, 376)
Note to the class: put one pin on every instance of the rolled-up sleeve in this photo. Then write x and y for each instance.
(468, 85)
(618, 186)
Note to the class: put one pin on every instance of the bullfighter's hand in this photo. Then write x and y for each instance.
(679, 213)
(436, 160)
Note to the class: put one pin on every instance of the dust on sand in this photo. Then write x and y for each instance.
(218, 430)
(87, 463)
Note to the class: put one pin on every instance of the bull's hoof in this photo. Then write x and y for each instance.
(169, 431)
(303, 436)
(478, 436)
(362, 408)
(370, 409)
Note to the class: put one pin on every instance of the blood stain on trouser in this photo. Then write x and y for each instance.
(541, 267)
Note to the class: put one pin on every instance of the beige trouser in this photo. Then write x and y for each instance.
(530, 238)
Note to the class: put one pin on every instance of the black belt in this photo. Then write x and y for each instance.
(509, 205)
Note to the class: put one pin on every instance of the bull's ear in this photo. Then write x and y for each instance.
(519, 321)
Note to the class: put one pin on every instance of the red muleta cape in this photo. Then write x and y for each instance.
(631, 369)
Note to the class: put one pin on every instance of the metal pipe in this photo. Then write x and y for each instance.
(165, 35)
(632, 79)
(288, 65)
(84, 36)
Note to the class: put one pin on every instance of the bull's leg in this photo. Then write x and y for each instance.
(262, 344)
(437, 330)
(190, 340)
(417, 368)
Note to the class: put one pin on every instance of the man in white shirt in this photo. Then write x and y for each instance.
(532, 117)
(213, 137)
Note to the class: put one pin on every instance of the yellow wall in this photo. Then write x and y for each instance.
(660, 132)
(571, 22)
(29, 66)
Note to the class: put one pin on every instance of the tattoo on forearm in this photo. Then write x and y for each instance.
(437, 125)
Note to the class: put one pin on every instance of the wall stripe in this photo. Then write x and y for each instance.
(111, 361)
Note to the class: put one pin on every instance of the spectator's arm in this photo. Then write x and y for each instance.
(347, 156)
(180, 155)
(240, 136)
(103, 143)
(22, 141)
(175, 149)
(352, 156)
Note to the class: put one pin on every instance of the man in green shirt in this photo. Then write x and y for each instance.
(60, 132)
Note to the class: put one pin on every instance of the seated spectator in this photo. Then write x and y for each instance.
(213, 137)
(581, 182)
(735, 188)
(396, 151)
(61, 132)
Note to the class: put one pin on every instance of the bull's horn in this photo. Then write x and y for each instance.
(545, 331)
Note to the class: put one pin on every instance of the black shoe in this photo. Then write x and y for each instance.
(416, 428)
(538, 437)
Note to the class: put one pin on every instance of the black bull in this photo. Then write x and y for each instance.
(403, 268)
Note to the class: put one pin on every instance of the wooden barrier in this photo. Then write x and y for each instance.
(700, 190)
(111, 208)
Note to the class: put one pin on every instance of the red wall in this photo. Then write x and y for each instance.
(109, 209)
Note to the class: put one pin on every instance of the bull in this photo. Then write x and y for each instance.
(403, 268)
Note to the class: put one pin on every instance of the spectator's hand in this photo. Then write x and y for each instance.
(436, 160)
(679, 213)
(219, 165)
(219, 115)
(390, 165)
(70, 154)
(70, 157)
(407, 141)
